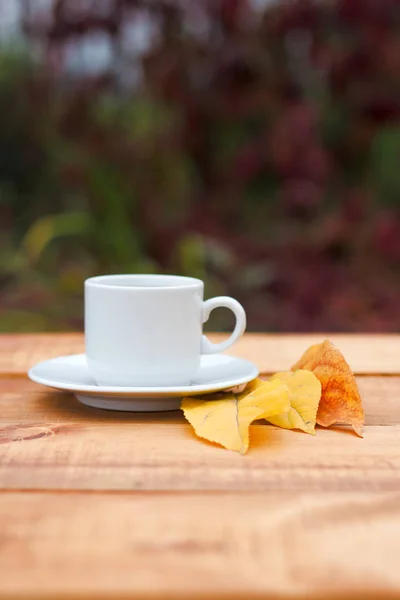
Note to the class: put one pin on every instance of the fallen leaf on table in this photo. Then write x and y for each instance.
(225, 418)
(304, 395)
(248, 387)
(340, 398)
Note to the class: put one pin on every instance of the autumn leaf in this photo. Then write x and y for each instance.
(340, 398)
(247, 387)
(304, 395)
(225, 418)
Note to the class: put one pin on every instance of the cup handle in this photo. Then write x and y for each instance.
(208, 347)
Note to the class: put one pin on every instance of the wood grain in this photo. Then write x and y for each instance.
(245, 545)
(19, 352)
(95, 504)
(24, 400)
(156, 456)
(50, 441)
(366, 354)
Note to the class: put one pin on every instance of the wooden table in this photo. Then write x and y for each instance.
(97, 504)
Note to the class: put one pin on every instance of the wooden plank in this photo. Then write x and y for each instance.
(49, 441)
(24, 400)
(250, 545)
(149, 456)
(367, 354)
(167, 456)
(381, 399)
(19, 352)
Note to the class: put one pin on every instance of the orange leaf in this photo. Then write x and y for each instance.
(340, 398)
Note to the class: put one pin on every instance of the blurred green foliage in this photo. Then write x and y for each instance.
(261, 155)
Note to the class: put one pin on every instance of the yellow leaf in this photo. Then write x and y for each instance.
(304, 395)
(251, 386)
(245, 388)
(225, 418)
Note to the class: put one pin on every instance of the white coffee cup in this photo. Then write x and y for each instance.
(147, 330)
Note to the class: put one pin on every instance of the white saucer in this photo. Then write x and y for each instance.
(217, 372)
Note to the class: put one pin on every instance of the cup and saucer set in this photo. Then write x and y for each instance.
(145, 347)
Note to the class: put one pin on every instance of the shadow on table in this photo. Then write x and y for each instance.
(63, 406)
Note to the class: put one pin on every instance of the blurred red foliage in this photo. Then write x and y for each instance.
(270, 138)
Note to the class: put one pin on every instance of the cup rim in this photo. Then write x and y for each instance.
(176, 282)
